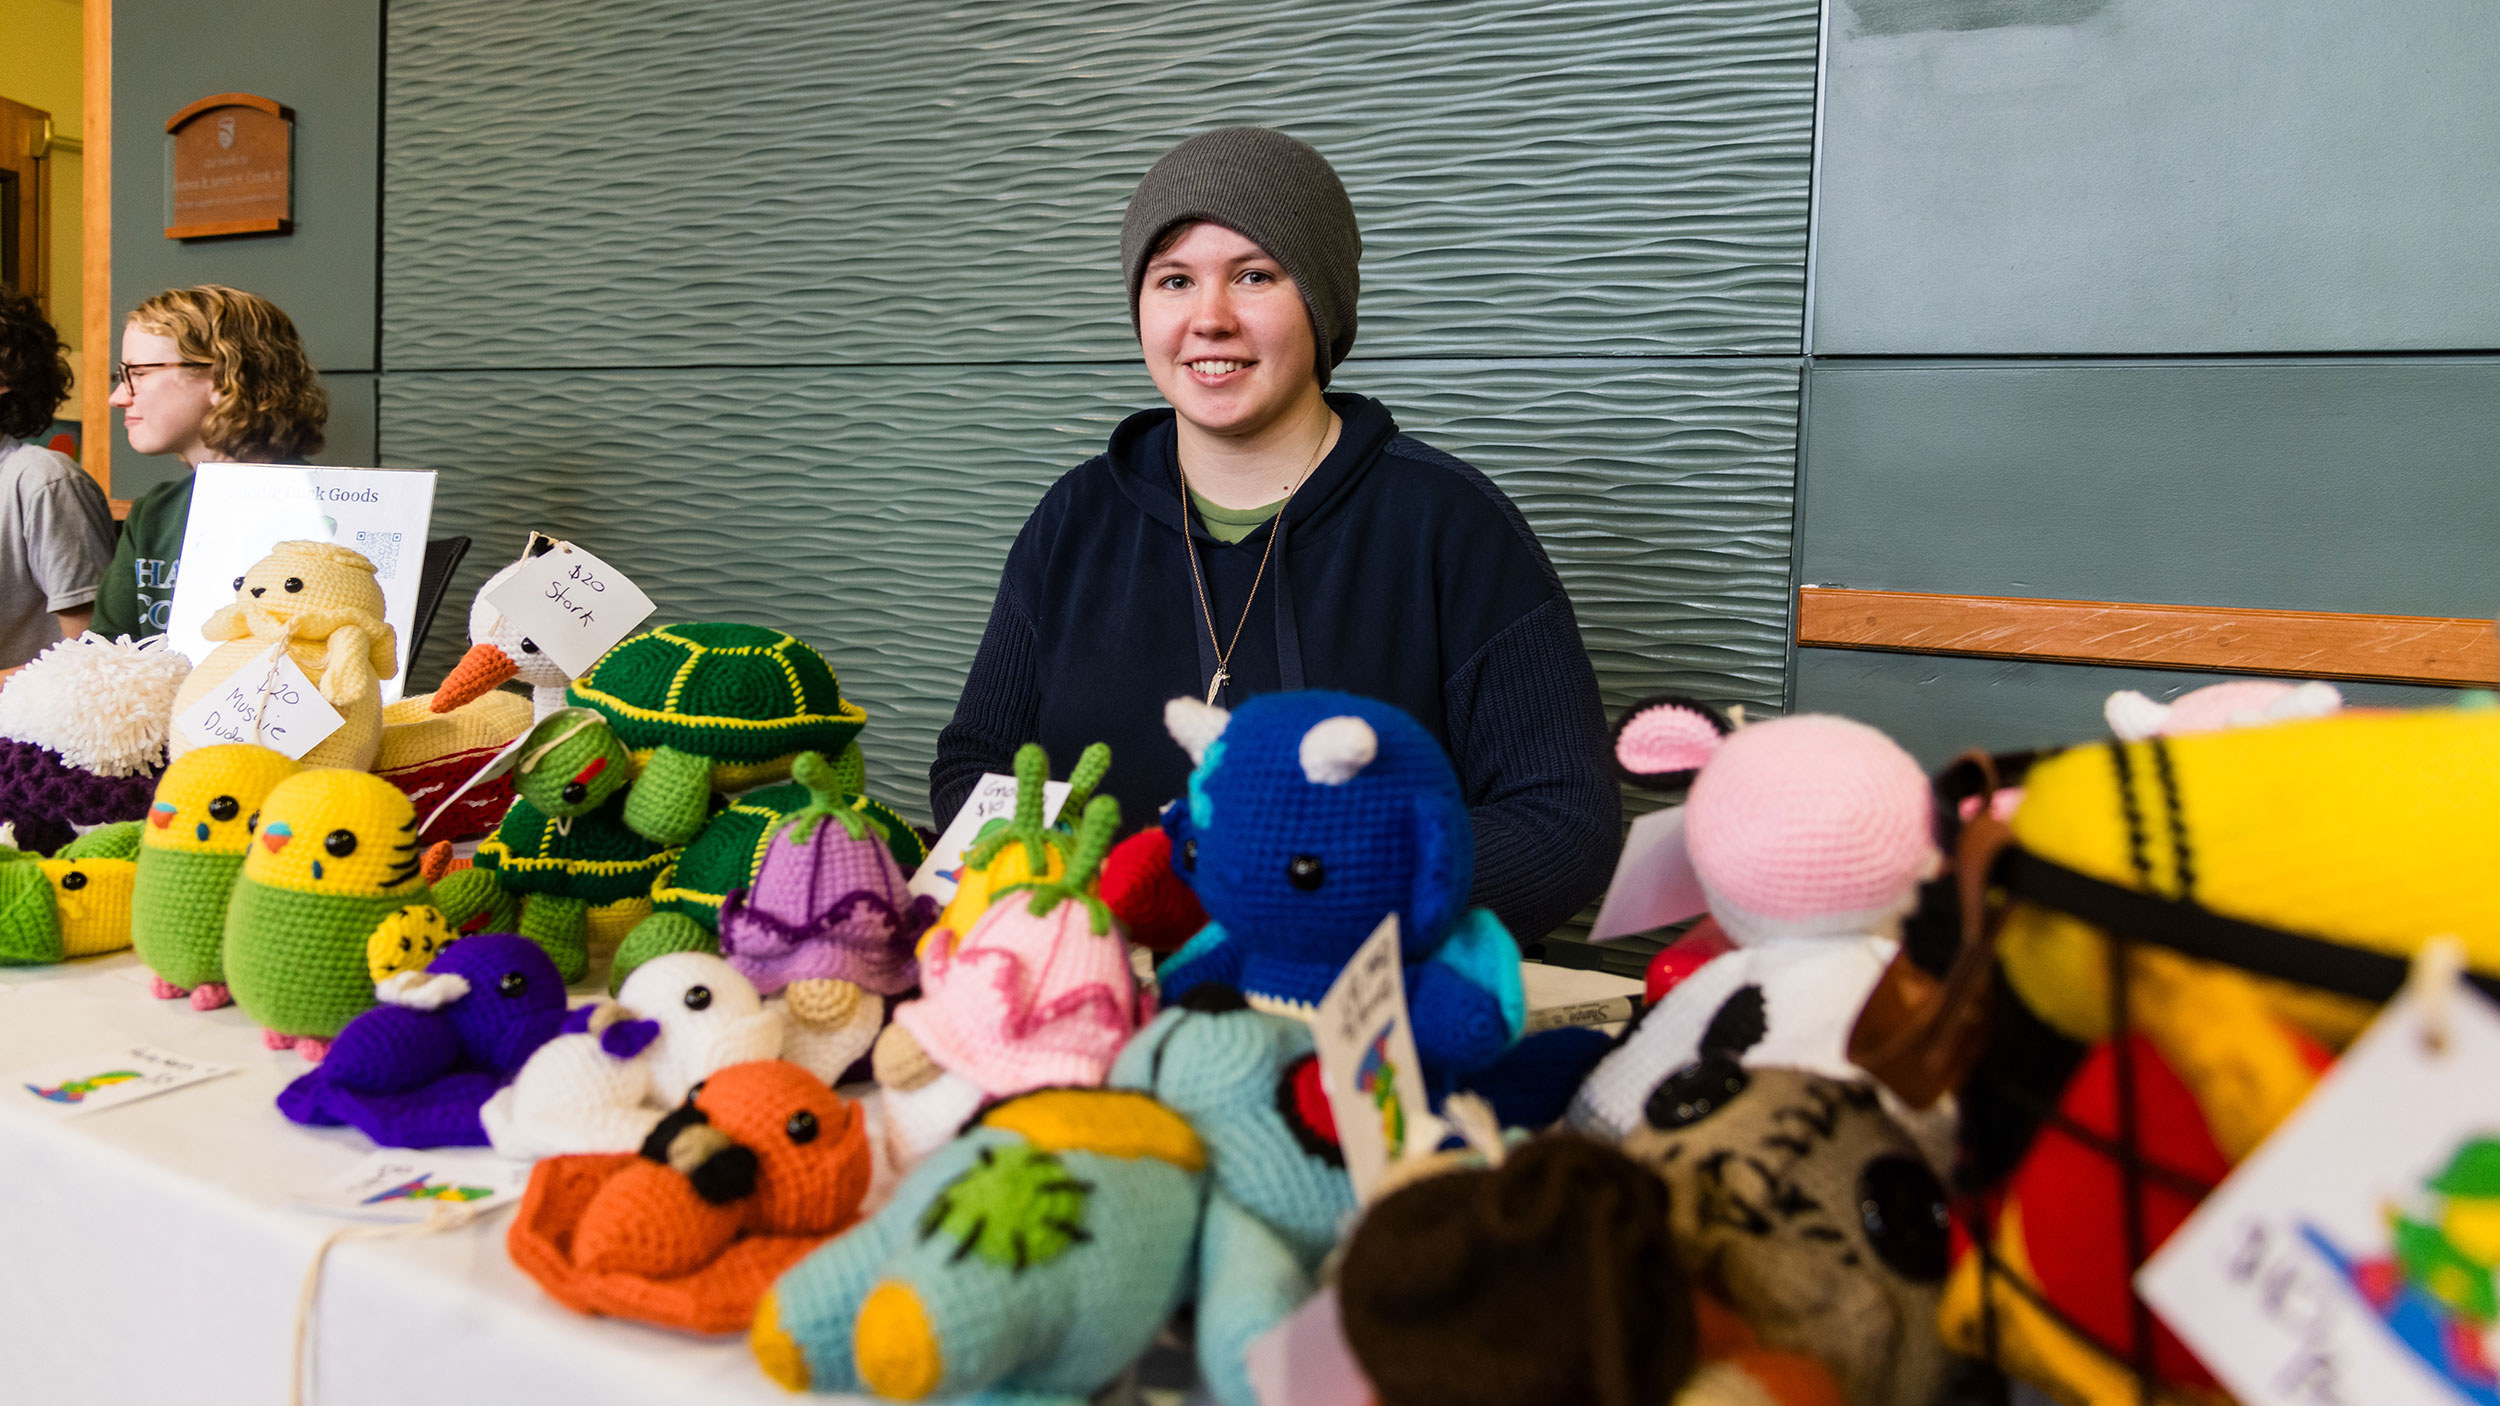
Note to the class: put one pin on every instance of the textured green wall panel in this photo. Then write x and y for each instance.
(869, 510)
(656, 182)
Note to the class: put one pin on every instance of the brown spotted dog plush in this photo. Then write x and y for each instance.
(1800, 1203)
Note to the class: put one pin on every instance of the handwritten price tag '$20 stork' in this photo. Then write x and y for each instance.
(571, 605)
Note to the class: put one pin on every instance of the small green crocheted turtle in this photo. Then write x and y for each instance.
(707, 707)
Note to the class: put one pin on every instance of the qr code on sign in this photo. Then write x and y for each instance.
(383, 549)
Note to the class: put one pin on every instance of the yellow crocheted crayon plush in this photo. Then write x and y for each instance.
(92, 897)
(1020, 850)
(335, 855)
(2372, 830)
(190, 852)
(323, 602)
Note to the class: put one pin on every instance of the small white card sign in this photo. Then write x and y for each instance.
(1654, 882)
(2349, 1259)
(1367, 1062)
(240, 511)
(397, 1184)
(269, 703)
(572, 605)
(107, 1080)
(993, 799)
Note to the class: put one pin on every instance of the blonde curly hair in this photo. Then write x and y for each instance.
(270, 404)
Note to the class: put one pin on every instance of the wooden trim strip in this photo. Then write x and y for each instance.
(2294, 643)
(268, 105)
(267, 224)
(99, 333)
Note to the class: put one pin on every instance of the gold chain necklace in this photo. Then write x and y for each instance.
(1198, 576)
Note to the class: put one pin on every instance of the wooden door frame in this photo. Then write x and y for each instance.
(95, 262)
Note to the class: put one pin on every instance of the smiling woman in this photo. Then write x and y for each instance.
(1264, 533)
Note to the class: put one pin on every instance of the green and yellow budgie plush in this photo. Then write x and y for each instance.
(75, 904)
(334, 858)
(190, 853)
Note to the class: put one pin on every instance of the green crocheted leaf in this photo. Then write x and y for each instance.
(1015, 1207)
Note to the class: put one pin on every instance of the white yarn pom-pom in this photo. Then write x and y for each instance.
(104, 705)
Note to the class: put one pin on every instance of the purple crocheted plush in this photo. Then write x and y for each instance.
(47, 799)
(413, 1074)
(828, 902)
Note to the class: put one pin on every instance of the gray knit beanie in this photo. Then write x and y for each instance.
(1276, 192)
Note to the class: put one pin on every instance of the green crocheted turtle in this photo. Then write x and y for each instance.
(707, 707)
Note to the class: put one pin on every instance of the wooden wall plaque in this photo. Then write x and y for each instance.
(232, 168)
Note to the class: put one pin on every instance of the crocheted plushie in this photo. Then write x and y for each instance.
(321, 600)
(430, 755)
(1548, 1280)
(1148, 896)
(190, 853)
(335, 855)
(713, 706)
(1040, 992)
(564, 845)
(1031, 1259)
(2239, 703)
(756, 1170)
(1021, 849)
(82, 735)
(724, 855)
(75, 904)
(412, 1071)
(1248, 1082)
(498, 654)
(828, 902)
(1311, 817)
(1810, 837)
(1801, 1204)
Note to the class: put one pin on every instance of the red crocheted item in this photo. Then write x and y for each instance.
(1138, 882)
(1683, 957)
(475, 815)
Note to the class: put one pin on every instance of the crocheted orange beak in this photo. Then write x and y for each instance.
(761, 1165)
(479, 671)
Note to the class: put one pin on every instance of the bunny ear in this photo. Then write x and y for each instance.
(1661, 742)
(2132, 717)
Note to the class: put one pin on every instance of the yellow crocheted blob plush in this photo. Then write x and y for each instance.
(406, 941)
(207, 802)
(92, 898)
(336, 832)
(323, 602)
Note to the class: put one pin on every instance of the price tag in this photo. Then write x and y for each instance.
(572, 605)
(116, 1077)
(268, 702)
(2350, 1258)
(1654, 882)
(399, 1184)
(1367, 1062)
(993, 799)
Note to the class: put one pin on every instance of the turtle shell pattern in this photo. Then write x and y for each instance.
(595, 858)
(743, 695)
(725, 855)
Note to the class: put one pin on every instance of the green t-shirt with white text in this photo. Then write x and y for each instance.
(137, 596)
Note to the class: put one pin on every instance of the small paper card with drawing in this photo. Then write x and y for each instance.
(572, 605)
(1367, 1062)
(269, 702)
(2350, 1259)
(994, 798)
(107, 1080)
(399, 1184)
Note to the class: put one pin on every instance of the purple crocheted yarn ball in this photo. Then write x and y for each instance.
(833, 905)
(48, 800)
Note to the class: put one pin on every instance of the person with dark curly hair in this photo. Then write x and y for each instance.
(209, 375)
(56, 529)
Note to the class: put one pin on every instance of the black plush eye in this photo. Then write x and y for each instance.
(252, 826)
(529, 646)
(1189, 855)
(73, 880)
(340, 843)
(1695, 1092)
(801, 1127)
(294, 584)
(1306, 872)
(1902, 1206)
(238, 583)
(405, 946)
(698, 998)
(573, 792)
(224, 808)
(512, 983)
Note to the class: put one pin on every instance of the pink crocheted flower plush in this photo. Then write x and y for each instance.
(1810, 826)
(1025, 1000)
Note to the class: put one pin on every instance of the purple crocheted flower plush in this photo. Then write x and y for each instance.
(828, 902)
(48, 800)
(414, 1071)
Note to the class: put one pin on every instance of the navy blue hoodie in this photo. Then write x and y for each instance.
(1401, 574)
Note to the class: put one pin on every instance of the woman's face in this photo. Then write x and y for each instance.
(163, 409)
(1225, 333)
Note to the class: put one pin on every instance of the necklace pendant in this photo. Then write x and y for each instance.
(1216, 686)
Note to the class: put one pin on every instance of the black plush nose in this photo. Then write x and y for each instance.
(256, 590)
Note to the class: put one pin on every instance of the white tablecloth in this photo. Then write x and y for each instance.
(153, 1253)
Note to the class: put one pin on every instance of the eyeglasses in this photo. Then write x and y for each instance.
(126, 373)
